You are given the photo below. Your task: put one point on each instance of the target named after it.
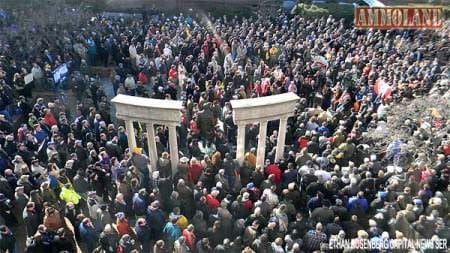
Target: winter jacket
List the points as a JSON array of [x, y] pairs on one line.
[[69, 195]]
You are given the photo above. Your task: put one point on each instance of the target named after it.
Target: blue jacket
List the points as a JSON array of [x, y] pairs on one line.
[[144, 236], [88, 235], [155, 219], [172, 231], [355, 200], [139, 205], [54, 183], [40, 135]]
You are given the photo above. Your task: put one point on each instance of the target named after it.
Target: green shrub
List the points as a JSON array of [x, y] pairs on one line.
[[319, 10]]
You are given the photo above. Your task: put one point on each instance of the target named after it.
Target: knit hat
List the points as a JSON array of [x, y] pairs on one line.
[[120, 215], [92, 194], [155, 204], [215, 193], [363, 234], [291, 186], [138, 151], [417, 201], [155, 174], [141, 222]]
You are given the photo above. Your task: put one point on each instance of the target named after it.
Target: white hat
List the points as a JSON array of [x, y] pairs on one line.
[[291, 186], [184, 159], [363, 234], [245, 196], [215, 193]]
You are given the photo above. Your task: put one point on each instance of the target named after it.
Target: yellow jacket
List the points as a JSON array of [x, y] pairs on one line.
[[69, 195], [251, 158], [182, 222]]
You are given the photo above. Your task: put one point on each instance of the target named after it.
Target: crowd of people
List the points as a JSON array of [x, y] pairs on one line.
[[68, 178]]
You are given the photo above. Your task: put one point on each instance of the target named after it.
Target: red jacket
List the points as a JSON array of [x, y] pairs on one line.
[[302, 142], [173, 74], [212, 201], [123, 227], [248, 204], [142, 78], [274, 170], [446, 150], [195, 170], [49, 119], [190, 238]]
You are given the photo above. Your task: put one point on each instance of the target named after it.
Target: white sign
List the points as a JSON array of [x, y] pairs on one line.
[[28, 78]]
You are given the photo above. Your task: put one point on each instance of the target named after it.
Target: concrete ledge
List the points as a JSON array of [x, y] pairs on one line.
[[147, 109], [269, 108]]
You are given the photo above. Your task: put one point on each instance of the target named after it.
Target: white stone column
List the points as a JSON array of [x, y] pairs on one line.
[[173, 147], [240, 144], [152, 151], [260, 157], [131, 136], [281, 138]]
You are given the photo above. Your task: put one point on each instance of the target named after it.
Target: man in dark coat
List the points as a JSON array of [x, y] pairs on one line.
[[206, 122], [31, 218], [113, 149], [140, 161], [99, 181], [82, 153], [156, 220], [7, 240], [143, 234]]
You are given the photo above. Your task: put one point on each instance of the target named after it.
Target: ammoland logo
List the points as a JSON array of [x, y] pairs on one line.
[[399, 17]]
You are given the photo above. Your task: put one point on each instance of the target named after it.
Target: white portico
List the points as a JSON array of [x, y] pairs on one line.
[[151, 112], [263, 109]]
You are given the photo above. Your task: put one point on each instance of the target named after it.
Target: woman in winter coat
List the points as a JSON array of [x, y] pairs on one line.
[[52, 219], [109, 240], [180, 246]]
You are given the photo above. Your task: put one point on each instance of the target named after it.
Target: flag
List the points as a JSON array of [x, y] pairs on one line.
[[320, 62], [383, 89]]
